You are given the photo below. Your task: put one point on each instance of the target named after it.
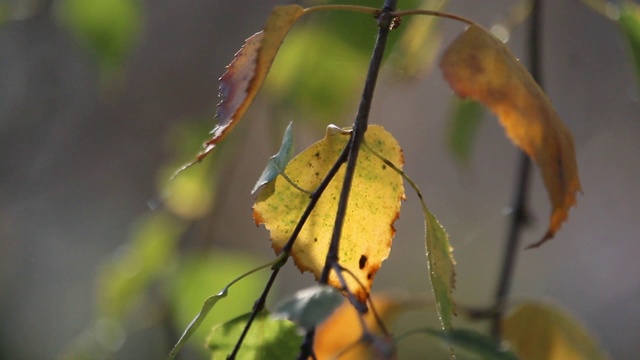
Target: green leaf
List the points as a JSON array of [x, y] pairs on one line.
[[203, 274], [310, 307], [108, 28], [629, 22], [277, 162], [540, 331], [268, 338], [477, 343], [439, 255], [123, 281], [465, 121]]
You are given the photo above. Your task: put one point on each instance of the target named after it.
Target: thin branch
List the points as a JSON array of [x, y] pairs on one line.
[[441, 14], [354, 8], [519, 215], [360, 127]]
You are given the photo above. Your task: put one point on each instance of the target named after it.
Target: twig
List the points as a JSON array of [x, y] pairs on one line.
[[519, 215], [360, 127]]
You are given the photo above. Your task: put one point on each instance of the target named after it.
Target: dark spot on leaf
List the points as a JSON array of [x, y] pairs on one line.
[[317, 173], [363, 262], [369, 276], [384, 167], [317, 154], [315, 239]]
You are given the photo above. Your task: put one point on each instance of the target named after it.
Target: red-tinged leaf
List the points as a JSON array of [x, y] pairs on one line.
[[246, 73], [479, 66]]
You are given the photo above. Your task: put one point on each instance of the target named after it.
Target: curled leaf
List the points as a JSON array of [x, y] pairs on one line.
[[277, 162], [479, 66], [374, 205], [246, 73]]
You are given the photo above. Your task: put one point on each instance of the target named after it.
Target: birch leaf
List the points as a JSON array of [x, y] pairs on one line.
[[374, 205], [246, 73], [479, 66]]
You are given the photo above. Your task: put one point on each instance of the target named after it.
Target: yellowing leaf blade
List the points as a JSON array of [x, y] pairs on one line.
[[479, 66], [374, 205], [538, 331], [246, 73]]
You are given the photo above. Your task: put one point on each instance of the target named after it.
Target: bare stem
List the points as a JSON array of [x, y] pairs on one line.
[[441, 14], [352, 8], [519, 216], [385, 19]]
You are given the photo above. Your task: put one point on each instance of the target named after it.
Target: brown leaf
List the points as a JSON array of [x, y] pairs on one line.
[[246, 73], [479, 66]]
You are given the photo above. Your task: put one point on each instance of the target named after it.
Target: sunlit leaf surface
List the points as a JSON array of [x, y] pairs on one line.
[[479, 66], [374, 205], [538, 331]]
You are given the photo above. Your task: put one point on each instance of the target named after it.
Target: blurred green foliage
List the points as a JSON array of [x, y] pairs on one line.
[[629, 22], [107, 28], [464, 122], [268, 338]]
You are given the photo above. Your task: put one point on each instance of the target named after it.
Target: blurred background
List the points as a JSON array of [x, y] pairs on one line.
[[101, 100]]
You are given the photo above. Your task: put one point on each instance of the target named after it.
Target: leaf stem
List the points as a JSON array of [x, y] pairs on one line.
[[519, 216], [441, 14], [353, 8]]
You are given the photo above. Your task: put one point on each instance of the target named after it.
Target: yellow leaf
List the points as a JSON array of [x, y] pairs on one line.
[[479, 66], [342, 330], [374, 205], [540, 332], [246, 73]]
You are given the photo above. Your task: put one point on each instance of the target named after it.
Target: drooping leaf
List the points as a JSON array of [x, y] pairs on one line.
[[539, 331], [342, 330], [246, 73], [108, 28], [374, 205], [629, 22], [479, 66], [310, 307], [277, 162], [268, 338], [440, 260], [465, 122], [200, 275], [479, 344]]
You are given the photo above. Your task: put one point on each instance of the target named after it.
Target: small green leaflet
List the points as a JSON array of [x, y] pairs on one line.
[[268, 338], [311, 306], [278, 162]]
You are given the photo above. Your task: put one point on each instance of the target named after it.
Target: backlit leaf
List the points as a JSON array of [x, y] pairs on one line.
[[310, 307], [541, 332], [342, 330], [629, 22], [246, 73], [277, 162], [479, 66], [268, 338], [374, 205]]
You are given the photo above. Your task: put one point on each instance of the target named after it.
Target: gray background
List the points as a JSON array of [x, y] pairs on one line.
[[77, 169]]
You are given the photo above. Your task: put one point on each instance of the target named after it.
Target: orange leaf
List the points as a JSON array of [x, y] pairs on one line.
[[246, 73], [479, 66], [342, 330]]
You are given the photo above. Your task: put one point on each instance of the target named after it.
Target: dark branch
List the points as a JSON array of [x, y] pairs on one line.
[[519, 216]]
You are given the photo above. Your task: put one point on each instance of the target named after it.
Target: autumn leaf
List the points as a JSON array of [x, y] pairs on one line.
[[537, 331], [341, 333], [246, 73], [374, 205], [479, 66]]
